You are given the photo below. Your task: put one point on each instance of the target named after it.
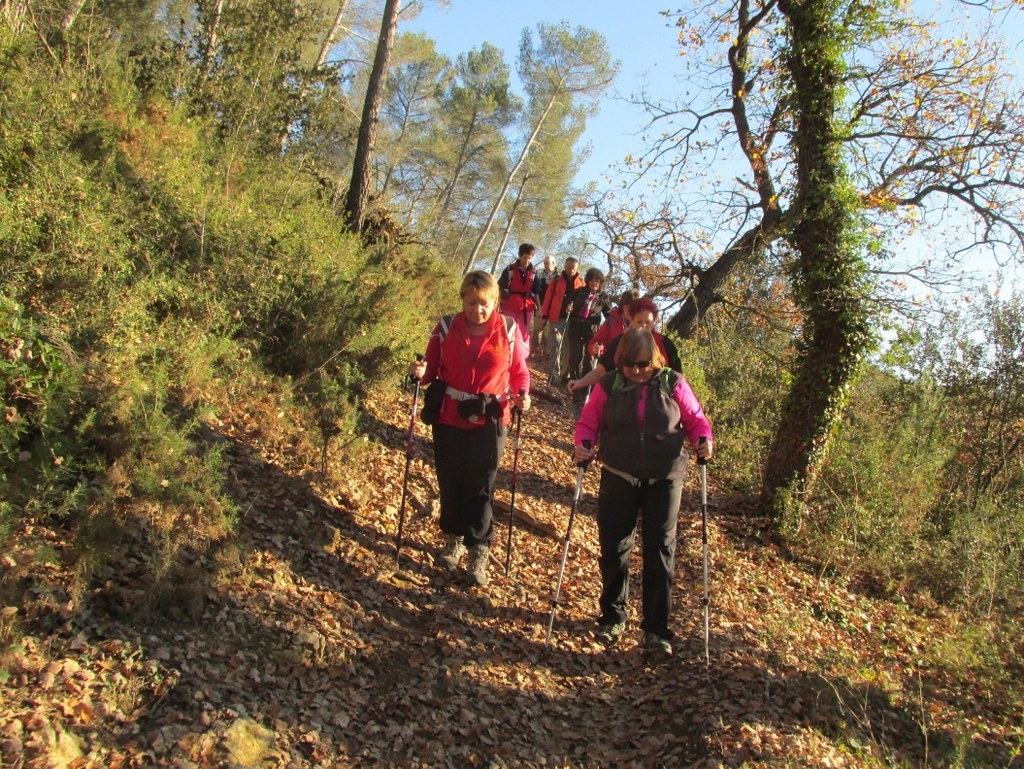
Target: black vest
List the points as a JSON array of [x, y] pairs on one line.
[[658, 450]]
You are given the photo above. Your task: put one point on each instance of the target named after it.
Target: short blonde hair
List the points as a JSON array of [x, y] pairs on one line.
[[481, 283], [638, 344]]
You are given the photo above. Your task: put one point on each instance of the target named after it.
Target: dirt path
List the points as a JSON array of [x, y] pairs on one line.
[[300, 645]]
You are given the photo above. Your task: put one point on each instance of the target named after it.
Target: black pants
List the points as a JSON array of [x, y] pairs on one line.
[[581, 363], [467, 462], [619, 506]]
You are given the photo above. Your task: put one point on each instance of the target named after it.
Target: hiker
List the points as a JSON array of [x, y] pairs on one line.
[[478, 360], [521, 291], [588, 309], [616, 325], [538, 345], [554, 311], [639, 416], [643, 313]]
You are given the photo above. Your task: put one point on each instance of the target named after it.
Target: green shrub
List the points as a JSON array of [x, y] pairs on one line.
[[884, 473], [151, 271], [741, 367]]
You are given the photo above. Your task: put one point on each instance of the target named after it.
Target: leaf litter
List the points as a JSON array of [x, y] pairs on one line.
[[308, 647]]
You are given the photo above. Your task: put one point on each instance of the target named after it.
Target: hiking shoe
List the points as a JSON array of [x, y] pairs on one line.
[[452, 553], [658, 643], [608, 635], [479, 560]]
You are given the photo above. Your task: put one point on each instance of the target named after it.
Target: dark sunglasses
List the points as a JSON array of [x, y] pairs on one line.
[[636, 364]]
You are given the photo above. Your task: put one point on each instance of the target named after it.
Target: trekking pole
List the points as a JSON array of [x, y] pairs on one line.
[[568, 535], [408, 461], [555, 376], [702, 463], [515, 475]]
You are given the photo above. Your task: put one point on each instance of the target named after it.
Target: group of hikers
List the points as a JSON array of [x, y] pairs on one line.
[[636, 416]]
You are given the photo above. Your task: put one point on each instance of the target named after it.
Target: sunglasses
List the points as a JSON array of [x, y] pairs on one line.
[[636, 364]]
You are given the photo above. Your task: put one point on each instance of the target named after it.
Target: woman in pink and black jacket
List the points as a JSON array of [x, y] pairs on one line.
[[640, 418]]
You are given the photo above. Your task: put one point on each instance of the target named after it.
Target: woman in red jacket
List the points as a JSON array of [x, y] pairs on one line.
[[481, 359], [521, 291], [616, 325]]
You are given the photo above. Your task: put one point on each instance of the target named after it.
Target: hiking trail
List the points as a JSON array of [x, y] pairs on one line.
[[299, 644]]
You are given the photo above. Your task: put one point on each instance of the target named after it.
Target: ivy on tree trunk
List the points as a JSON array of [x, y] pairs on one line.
[[829, 272]]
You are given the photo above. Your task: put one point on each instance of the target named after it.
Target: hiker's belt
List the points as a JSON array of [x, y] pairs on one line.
[[632, 479], [459, 395]]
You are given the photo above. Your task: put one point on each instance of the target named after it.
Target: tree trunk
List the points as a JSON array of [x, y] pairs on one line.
[[211, 40], [72, 15], [508, 227], [508, 183], [705, 293], [331, 37], [829, 275], [362, 166]]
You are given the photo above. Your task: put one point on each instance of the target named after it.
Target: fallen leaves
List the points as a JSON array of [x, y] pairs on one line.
[[312, 649]]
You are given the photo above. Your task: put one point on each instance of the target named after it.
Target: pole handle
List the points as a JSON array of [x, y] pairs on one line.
[[419, 359], [702, 460], [586, 462], [516, 408]]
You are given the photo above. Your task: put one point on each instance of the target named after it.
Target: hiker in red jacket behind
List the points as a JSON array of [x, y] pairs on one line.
[[643, 313], [640, 416], [589, 307], [555, 310], [616, 325], [521, 291], [479, 361]]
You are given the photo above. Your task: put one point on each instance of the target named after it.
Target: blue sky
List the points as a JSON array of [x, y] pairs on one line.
[[637, 35]]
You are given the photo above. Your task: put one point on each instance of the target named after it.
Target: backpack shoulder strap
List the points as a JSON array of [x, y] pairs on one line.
[[510, 335], [446, 325], [667, 380]]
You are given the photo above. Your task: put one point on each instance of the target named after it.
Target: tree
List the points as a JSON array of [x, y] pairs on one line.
[[362, 165], [567, 69], [322, 58], [829, 270], [466, 155], [415, 81], [932, 141], [922, 125]]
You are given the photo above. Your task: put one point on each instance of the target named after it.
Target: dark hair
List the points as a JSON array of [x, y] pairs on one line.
[[629, 296], [638, 344], [593, 273], [526, 248], [643, 305]]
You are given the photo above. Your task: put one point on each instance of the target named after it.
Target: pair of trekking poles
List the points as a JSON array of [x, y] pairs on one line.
[[408, 461], [702, 463], [577, 494]]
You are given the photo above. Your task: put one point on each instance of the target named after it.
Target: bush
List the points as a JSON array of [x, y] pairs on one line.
[[884, 473], [149, 271]]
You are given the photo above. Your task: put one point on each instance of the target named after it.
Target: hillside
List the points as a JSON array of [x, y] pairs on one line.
[[298, 644]]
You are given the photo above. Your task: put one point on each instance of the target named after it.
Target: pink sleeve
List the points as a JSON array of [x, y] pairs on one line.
[[588, 428], [694, 422], [519, 374]]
